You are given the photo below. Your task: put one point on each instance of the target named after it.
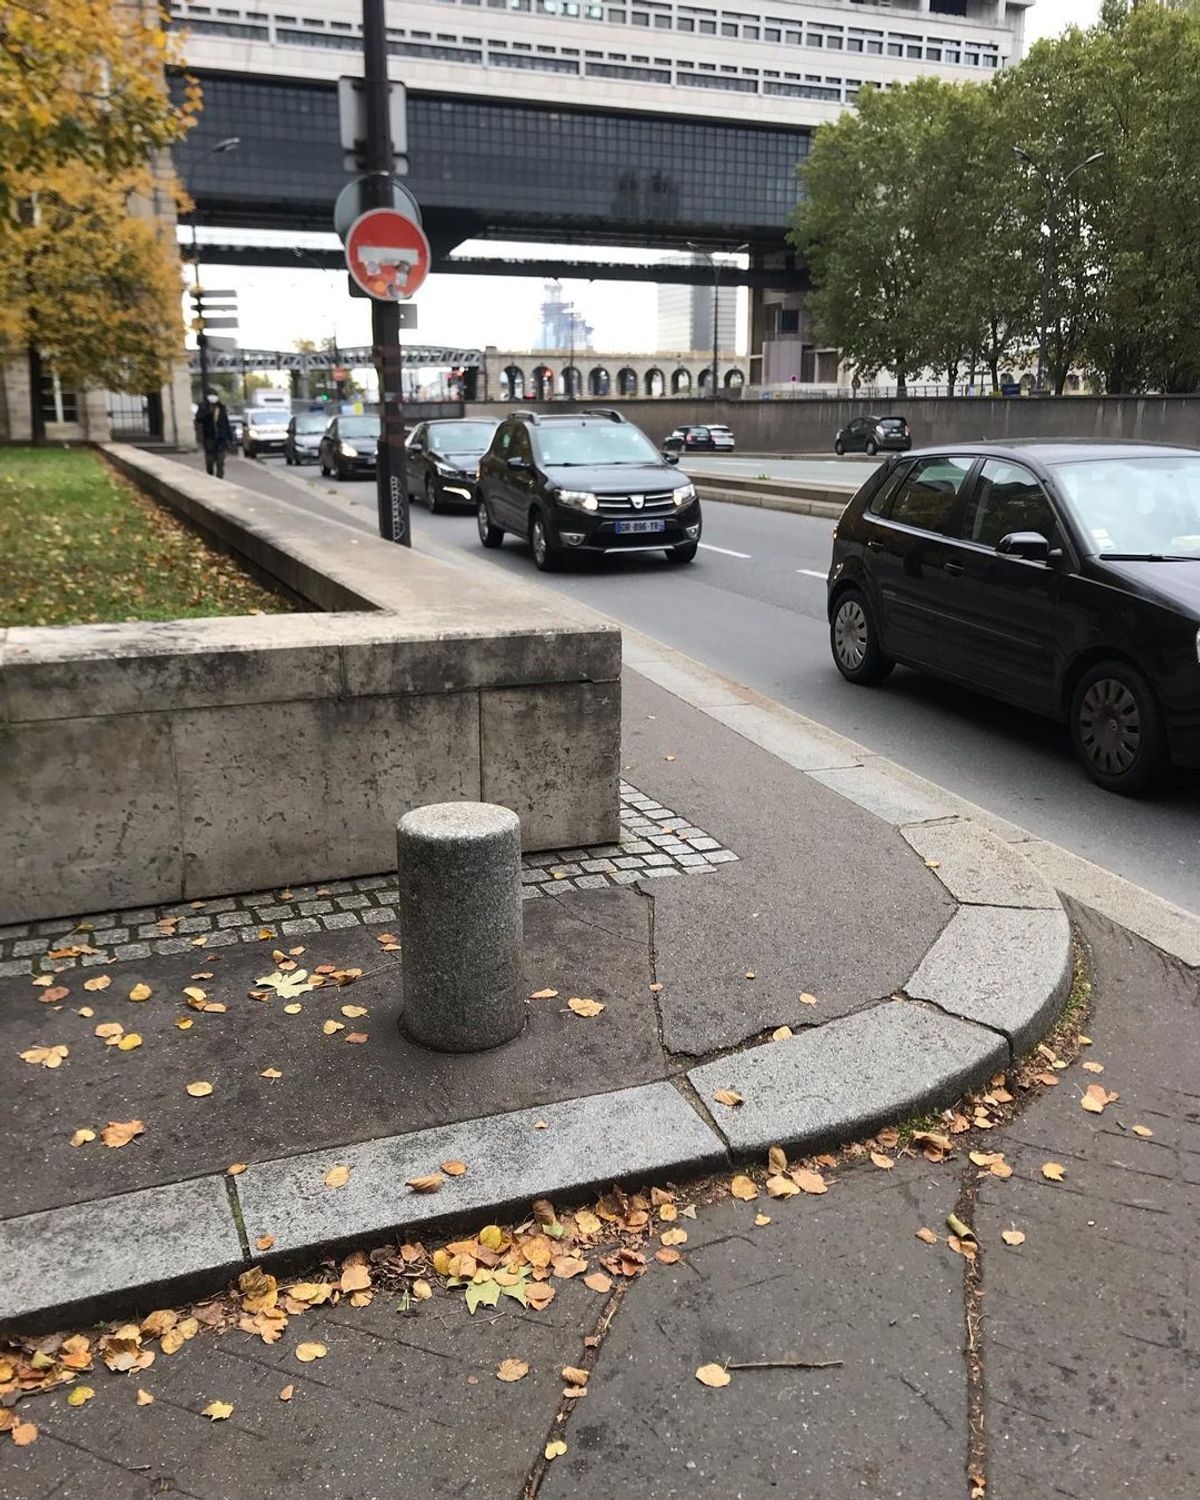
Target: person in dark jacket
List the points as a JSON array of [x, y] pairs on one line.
[[215, 433]]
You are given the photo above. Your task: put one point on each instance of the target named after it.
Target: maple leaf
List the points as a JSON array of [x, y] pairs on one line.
[[288, 986], [483, 1294]]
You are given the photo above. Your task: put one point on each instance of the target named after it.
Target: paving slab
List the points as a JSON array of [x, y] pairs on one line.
[[892, 799], [636, 1134], [1004, 968], [843, 1080], [977, 866], [1089, 1329], [840, 1277], [813, 873]]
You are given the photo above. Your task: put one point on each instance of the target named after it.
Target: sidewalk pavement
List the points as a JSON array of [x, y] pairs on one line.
[[1060, 1365]]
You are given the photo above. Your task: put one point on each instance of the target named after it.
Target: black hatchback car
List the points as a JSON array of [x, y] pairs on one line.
[[304, 433], [1063, 577], [873, 435], [589, 482], [442, 459], [350, 446]]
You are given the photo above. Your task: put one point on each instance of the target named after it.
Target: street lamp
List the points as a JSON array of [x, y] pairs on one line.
[[230, 143], [716, 270], [1054, 187]]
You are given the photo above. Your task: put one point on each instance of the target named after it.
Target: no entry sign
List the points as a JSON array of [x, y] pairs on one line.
[[387, 254]]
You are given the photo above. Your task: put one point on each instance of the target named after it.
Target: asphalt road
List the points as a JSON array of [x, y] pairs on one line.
[[752, 606]]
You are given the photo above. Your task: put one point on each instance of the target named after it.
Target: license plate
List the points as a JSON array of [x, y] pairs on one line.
[[625, 528]]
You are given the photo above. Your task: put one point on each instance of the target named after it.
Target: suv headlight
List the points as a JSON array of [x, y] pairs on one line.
[[577, 499], [685, 494], [347, 451]]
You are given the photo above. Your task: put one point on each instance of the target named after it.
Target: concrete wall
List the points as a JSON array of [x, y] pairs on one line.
[[809, 426], [148, 763]]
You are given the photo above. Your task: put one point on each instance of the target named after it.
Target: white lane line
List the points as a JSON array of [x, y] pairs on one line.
[[812, 573], [728, 552]]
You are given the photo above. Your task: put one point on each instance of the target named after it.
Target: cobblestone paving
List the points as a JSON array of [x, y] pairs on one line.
[[654, 842]]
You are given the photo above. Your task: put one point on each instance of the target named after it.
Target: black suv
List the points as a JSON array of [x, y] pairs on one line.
[[872, 435], [589, 482]]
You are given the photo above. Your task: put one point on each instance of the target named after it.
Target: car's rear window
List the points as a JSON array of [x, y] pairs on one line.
[[893, 424], [269, 417]]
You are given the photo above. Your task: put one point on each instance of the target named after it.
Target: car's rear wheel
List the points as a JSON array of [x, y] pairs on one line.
[[854, 638], [839, 448], [1117, 728], [683, 554], [431, 495], [489, 535], [872, 447], [546, 553]]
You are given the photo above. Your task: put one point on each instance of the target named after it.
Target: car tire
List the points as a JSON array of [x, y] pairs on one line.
[[431, 495], [339, 473], [1117, 728], [839, 448], [547, 557], [324, 468], [854, 640], [489, 535], [872, 447], [683, 554]]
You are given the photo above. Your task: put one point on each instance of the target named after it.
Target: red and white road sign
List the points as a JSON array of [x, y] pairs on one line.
[[388, 254]]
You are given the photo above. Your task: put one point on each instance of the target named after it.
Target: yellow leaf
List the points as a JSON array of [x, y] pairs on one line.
[[287, 1393], [598, 1282], [200, 1089], [1142, 1130], [750, 974], [119, 1133], [573, 1375], [293, 1009], [1096, 1098], [780, 1186], [454, 1168], [337, 1176], [80, 1395], [1092, 1067], [218, 1411], [760, 1220], [86, 1010], [555, 1448], [23, 1434], [807, 999], [781, 1033], [585, 1008], [422, 1291], [776, 1159], [512, 1369], [140, 992], [1053, 1170], [109, 1029], [729, 1097], [713, 1375], [674, 1236], [491, 1236], [743, 1188], [928, 1236], [306, 1353], [82, 1136], [586, 1222], [1012, 1236], [264, 1242], [352, 1012], [144, 1398], [885, 1163], [185, 1023], [355, 1278], [98, 982], [270, 1073], [544, 995], [235, 1169], [431, 1183], [809, 1181], [1001, 1169], [129, 1041], [194, 992], [330, 1027]]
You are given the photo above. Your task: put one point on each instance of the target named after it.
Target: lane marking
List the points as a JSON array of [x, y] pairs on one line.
[[728, 552], [812, 573]]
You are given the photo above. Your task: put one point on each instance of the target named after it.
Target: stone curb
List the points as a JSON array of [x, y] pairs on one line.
[[819, 505]]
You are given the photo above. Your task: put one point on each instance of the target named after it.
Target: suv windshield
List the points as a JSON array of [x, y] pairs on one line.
[[461, 437], [1136, 507], [571, 444], [269, 417], [358, 427]]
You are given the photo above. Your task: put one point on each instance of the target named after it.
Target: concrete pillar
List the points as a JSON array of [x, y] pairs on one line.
[[461, 925]]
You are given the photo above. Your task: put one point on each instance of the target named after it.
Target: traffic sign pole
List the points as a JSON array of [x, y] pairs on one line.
[[385, 316]]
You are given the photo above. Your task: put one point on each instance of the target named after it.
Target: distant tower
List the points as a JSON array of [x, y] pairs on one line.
[[685, 315], [562, 326]]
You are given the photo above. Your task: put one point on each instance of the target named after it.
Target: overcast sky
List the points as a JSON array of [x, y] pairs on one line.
[[279, 307]]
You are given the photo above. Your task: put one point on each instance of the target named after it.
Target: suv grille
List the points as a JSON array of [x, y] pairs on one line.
[[656, 503]]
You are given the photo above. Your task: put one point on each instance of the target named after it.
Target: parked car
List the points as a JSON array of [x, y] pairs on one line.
[[588, 482], [723, 436], [1062, 577], [442, 461], [238, 427], [699, 440], [264, 430], [303, 438], [874, 435], [350, 446]]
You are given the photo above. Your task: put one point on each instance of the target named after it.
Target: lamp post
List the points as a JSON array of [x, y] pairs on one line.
[[1054, 186], [716, 308], [230, 143]]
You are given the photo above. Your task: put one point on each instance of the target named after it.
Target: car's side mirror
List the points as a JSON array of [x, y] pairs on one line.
[[516, 462], [1032, 546], [671, 458]]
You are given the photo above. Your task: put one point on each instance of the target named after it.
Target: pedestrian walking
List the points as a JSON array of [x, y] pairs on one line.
[[214, 432]]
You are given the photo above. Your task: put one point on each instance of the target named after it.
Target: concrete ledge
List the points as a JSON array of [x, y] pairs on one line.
[[849, 1077], [823, 502]]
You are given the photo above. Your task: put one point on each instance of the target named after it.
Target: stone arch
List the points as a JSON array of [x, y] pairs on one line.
[[681, 383], [627, 381], [654, 382], [734, 380], [571, 383], [543, 383], [599, 381], [512, 383], [704, 384]]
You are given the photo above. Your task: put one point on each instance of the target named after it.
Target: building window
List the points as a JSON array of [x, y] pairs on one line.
[[58, 405]]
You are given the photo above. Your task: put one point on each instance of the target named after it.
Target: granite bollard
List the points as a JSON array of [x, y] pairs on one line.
[[461, 925]]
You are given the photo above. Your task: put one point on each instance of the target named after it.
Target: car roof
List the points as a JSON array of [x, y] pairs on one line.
[[1045, 451]]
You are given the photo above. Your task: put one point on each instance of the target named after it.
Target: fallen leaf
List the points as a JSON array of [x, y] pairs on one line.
[[80, 1395], [235, 1169], [598, 1282], [585, 1008], [961, 1229], [185, 1023], [306, 1353], [355, 1278], [352, 1012], [120, 1133], [668, 757], [337, 1176], [1053, 1170], [86, 1010], [807, 999], [331, 1027], [540, 1125], [667, 1257], [200, 1089], [83, 1135], [421, 1290], [567, 1266], [355, 1038], [544, 995], [23, 1434], [53, 996], [218, 1411], [264, 933], [986, 1158], [1096, 1098], [657, 987], [98, 982], [1001, 1169], [287, 1393], [454, 1168], [933, 864], [512, 1369], [540, 1295], [743, 1188], [713, 1375], [761, 1219], [1142, 1130], [144, 1398], [1092, 1067], [432, 1183], [780, 1186], [129, 1041], [46, 1057], [43, 979], [885, 1163], [555, 1448], [809, 1181], [1012, 1236], [288, 986], [293, 1009], [1048, 1079], [781, 1033], [729, 1097], [674, 1236], [928, 1236], [140, 992]]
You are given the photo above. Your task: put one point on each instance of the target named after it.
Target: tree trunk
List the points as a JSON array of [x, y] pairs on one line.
[[37, 419], [901, 383], [994, 367]]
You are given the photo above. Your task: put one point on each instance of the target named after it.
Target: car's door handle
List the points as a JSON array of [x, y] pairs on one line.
[[873, 545], [953, 568]]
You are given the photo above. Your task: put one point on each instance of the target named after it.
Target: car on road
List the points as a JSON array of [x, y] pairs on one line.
[[303, 438], [442, 461], [699, 440], [873, 435], [585, 483], [1062, 577], [264, 430], [350, 446]]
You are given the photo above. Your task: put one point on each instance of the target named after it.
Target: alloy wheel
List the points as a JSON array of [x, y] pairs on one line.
[[482, 520], [850, 634], [1110, 726], [537, 537]]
